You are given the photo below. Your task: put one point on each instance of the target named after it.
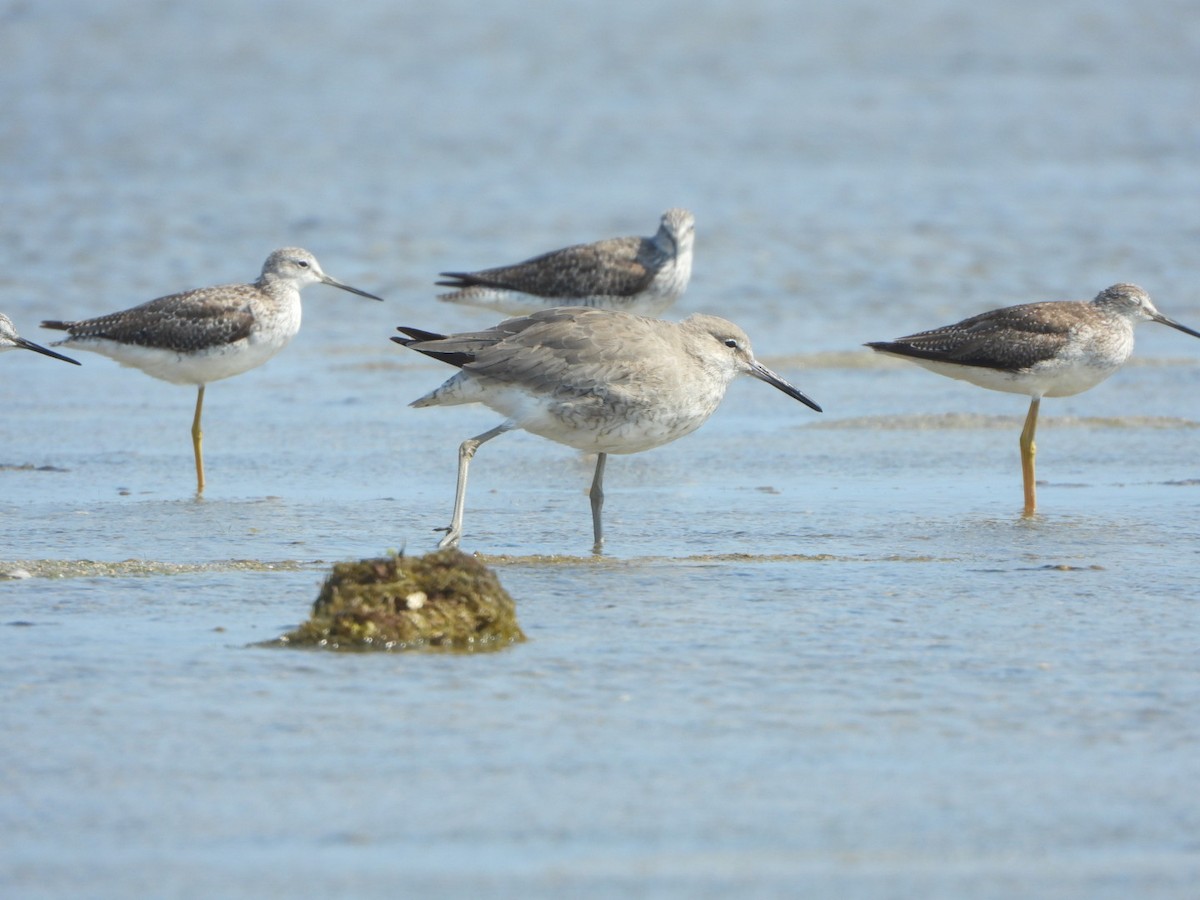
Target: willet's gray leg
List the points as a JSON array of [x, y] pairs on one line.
[[596, 495], [465, 451]]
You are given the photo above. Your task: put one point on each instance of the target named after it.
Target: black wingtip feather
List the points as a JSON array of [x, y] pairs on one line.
[[417, 334]]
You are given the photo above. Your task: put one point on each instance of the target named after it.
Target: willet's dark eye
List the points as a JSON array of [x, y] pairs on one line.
[[731, 343], [302, 263]]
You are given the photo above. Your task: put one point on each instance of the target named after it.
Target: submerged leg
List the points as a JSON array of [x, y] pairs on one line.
[[465, 451], [596, 495], [198, 440], [1028, 452]]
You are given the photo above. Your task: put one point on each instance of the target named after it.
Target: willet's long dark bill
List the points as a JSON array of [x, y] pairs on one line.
[[634, 274], [10, 340], [598, 380], [207, 334], [1053, 349]]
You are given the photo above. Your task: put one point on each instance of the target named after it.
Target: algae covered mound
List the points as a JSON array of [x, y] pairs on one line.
[[444, 600]]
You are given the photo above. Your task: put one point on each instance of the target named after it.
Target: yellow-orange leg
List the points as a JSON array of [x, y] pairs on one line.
[[198, 440], [1028, 452]]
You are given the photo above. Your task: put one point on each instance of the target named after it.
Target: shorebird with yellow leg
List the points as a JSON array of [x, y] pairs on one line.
[[207, 334], [1052, 349]]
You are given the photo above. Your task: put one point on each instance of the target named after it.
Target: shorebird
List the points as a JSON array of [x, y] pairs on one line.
[[10, 340], [1052, 349], [599, 380], [204, 335], [634, 274]]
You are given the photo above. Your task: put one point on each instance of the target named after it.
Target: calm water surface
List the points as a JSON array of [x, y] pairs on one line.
[[822, 656]]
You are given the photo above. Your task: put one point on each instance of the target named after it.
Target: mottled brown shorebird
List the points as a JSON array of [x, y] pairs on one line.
[[207, 334], [599, 380], [1052, 349], [10, 340], [635, 274]]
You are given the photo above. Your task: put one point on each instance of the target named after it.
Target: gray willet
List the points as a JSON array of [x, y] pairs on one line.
[[207, 334], [10, 340], [634, 274], [1052, 349], [599, 380]]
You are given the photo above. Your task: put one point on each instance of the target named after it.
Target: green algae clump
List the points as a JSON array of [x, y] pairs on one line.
[[444, 601]]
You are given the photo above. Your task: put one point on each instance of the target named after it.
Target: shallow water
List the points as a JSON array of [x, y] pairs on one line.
[[822, 655]]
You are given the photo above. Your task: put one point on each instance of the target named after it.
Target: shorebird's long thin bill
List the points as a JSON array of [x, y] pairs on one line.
[[761, 372], [38, 348], [1165, 321], [333, 282]]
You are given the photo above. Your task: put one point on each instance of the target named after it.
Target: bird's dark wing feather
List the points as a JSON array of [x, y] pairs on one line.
[[1013, 338], [187, 322], [617, 267]]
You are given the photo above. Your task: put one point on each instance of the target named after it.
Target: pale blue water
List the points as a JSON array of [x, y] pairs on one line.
[[823, 655]]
